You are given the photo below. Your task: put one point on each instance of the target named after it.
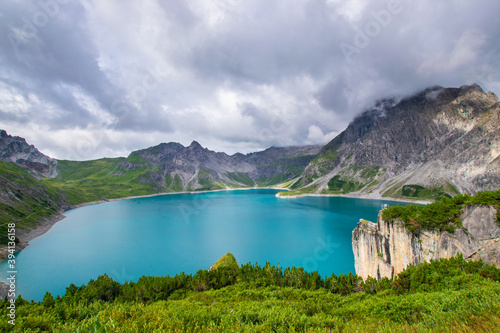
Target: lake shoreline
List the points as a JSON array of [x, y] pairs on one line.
[[44, 226], [25, 236], [370, 197], [170, 193], [110, 238]]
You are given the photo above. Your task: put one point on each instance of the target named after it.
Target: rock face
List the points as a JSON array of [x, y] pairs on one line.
[[384, 249], [440, 140], [17, 150], [178, 168]]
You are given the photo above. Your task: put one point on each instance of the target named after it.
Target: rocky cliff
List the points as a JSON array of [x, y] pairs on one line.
[[385, 248], [441, 141], [17, 150]]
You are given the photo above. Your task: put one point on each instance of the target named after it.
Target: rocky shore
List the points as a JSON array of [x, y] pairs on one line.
[[369, 197], [26, 235]]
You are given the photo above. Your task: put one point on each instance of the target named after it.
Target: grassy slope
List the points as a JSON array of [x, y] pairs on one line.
[[353, 178], [289, 168], [441, 296], [226, 260], [97, 179], [25, 201]]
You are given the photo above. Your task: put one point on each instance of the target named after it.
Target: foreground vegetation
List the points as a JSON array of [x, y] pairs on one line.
[[443, 214], [441, 296]]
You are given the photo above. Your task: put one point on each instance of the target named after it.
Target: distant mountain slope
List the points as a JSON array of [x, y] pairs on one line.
[[173, 167], [279, 165], [441, 141], [167, 167], [15, 149], [96, 180], [34, 187]]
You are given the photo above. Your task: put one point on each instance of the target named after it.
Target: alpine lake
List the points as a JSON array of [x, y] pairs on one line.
[[170, 234]]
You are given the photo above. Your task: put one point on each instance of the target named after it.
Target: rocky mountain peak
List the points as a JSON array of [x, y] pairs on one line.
[[176, 167], [16, 149], [440, 140], [472, 88], [195, 145]]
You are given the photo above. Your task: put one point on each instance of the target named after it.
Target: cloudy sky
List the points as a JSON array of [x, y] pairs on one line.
[[86, 79]]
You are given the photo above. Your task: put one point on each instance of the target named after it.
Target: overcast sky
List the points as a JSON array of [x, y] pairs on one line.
[[86, 79]]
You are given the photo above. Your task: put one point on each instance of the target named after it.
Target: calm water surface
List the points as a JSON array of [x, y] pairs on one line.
[[186, 232]]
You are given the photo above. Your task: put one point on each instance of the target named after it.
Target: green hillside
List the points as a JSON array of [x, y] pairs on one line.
[[451, 295], [86, 181], [27, 200], [24, 200]]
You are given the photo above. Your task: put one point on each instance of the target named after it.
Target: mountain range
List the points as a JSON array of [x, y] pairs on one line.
[[438, 142], [441, 141]]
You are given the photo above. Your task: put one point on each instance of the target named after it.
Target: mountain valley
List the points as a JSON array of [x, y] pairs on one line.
[[439, 142]]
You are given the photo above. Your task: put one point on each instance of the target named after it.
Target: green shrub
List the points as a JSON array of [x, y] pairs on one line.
[[443, 214], [449, 293]]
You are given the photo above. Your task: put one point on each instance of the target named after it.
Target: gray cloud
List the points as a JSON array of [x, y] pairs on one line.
[[86, 79]]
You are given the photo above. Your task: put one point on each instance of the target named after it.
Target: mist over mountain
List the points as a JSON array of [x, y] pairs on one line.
[[441, 141]]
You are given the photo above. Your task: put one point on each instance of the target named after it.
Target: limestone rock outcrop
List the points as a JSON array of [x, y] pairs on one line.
[[386, 248]]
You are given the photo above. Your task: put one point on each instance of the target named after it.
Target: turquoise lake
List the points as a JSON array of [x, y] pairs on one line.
[[169, 234]]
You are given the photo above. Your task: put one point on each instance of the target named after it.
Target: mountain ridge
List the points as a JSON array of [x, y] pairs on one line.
[[441, 142], [17, 150], [438, 142], [399, 148]]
